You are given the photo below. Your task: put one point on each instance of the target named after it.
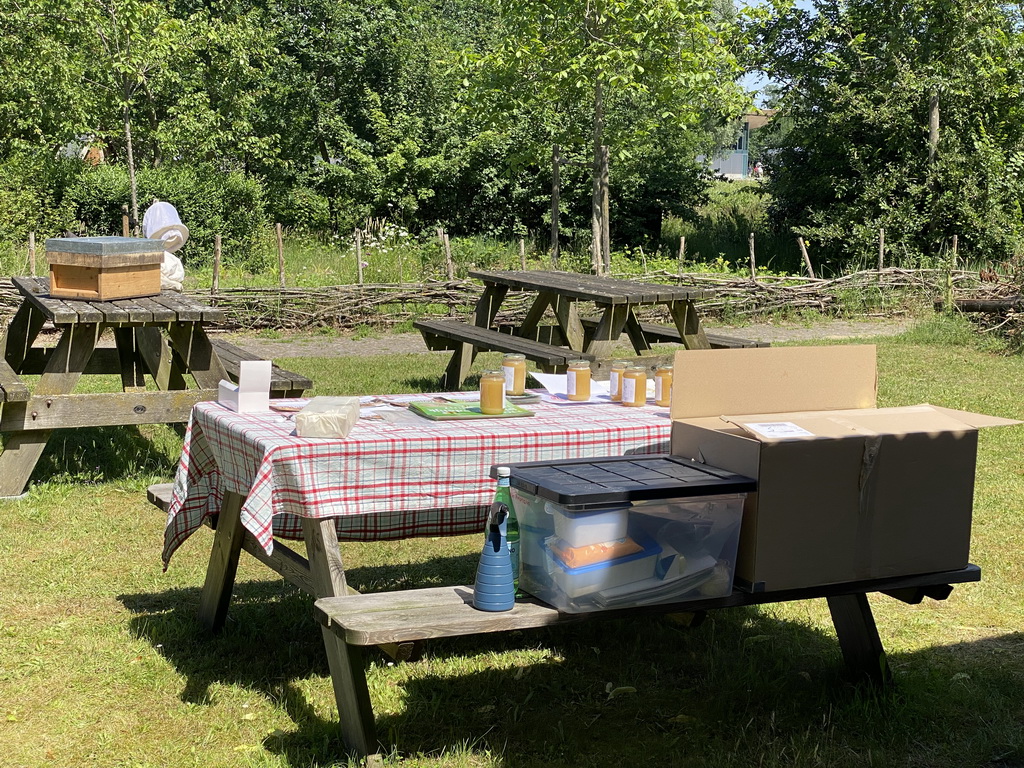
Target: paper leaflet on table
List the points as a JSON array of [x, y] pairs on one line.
[[556, 385]]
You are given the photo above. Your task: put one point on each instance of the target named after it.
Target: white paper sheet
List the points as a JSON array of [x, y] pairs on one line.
[[557, 389]]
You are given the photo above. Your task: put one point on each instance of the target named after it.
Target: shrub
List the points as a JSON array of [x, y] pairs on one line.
[[209, 202]]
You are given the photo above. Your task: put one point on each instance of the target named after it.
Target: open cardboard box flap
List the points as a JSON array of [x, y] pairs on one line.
[[772, 380], [860, 422], [819, 386]]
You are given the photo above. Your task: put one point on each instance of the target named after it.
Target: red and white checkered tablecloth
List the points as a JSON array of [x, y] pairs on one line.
[[386, 480]]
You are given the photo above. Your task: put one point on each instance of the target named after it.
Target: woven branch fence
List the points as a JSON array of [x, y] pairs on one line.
[[388, 305]]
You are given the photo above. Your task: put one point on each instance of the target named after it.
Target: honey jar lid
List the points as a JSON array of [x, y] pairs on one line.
[[514, 356]]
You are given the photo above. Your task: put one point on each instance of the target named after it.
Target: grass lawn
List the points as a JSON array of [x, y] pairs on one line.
[[102, 661]]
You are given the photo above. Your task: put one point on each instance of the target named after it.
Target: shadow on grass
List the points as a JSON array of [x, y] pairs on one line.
[[743, 688], [101, 454]]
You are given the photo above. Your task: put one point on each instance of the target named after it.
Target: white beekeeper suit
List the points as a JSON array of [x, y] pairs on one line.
[[161, 222]]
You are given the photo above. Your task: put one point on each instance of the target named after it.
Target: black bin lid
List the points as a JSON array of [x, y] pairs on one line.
[[623, 478]]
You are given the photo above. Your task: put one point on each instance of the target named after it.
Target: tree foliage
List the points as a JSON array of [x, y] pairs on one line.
[[852, 152]]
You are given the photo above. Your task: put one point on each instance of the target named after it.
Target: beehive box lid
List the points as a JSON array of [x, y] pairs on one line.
[[624, 478], [104, 246], [103, 252]]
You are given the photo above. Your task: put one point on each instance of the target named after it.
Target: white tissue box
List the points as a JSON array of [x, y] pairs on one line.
[[327, 417]]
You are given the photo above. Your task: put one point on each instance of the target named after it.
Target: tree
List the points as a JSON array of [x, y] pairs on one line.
[[859, 145], [561, 60]]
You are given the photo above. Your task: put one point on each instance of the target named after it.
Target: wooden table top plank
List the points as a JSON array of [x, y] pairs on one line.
[[37, 291], [604, 290], [111, 312], [191, 304], [159, 312], [137, 313], [183, 312]]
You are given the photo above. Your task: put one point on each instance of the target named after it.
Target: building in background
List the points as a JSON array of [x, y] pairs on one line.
[[735, 162]]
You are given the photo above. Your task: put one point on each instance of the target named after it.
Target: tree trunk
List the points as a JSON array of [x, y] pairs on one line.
[[556, 191], [596, 227], [133, 187], [933, 127]]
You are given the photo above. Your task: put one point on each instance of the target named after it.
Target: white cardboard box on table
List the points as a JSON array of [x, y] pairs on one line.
[[252, 393]]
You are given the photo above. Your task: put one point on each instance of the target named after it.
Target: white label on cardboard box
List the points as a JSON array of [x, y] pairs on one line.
[[778, 429]]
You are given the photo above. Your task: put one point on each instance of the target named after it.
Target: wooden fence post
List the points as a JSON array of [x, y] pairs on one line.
[[643, 260], [881, 249], [682, 254], [280, 254], [32, 253], [359, 254], [449, 261], [216, 264], [807, 259], [522, 254], [753, 263], [449, 267]]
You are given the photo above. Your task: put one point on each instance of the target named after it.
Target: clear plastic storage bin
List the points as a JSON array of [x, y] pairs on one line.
[[645, 530]]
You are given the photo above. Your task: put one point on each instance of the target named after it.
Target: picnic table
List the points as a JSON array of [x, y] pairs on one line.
[[412, 477], [575, 334], [161, 336]]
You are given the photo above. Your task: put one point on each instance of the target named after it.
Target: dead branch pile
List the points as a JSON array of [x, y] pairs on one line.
[[388, 305]]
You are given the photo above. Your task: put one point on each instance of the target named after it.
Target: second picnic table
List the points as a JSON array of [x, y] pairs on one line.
[[161, 336], [576, 336]]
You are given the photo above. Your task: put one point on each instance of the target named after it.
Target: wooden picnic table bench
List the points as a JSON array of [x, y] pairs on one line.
[[163, 337], [450, 334], [561, 293], [419, 614]]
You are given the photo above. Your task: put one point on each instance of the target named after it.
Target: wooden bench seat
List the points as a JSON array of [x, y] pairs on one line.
[[445, 334], [105, 360], [466, 340], [657, 332], [282, 383], [420, 614]]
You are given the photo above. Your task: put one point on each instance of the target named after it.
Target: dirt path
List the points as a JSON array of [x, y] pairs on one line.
[[320, 345]]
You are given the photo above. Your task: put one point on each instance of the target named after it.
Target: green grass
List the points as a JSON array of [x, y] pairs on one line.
[[102, 661]]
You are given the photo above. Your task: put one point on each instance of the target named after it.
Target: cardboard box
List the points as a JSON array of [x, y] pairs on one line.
[[846, 491], [104, 268]]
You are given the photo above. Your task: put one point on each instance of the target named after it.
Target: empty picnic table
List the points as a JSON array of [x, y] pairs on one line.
[[576, 336], [161, 336]]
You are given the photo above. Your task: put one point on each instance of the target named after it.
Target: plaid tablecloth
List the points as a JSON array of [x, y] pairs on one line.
[[385, 480]]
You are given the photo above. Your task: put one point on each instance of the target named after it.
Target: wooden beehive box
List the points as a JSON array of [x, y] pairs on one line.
[[104, 268]]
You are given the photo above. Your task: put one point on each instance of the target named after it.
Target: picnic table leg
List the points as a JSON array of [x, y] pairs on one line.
[[348, 676], [858, 636], [133, 372], [636, 333], [687, 320], [22, 450], [464, 353], [220, 573], [159, 358], [201, 359], [568, 316], [608, 330]]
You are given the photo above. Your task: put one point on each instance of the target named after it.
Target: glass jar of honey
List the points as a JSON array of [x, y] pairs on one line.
[[615, 380], [663, 385], [577, 380], [514, 368], [492, 392], [634, 386]]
